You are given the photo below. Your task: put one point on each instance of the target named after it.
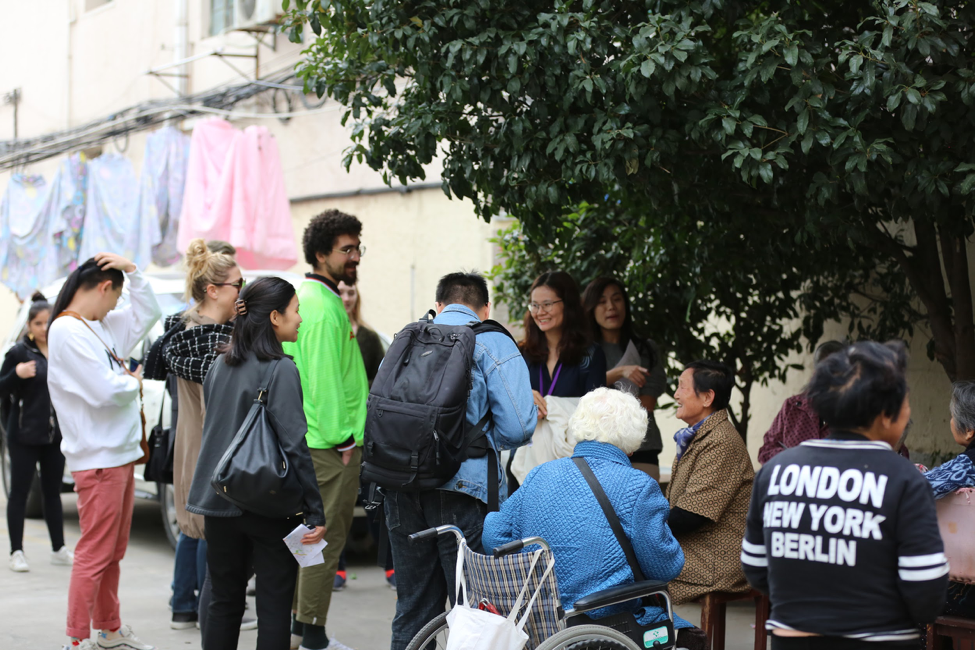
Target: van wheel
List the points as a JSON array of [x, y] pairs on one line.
[[167, 509]]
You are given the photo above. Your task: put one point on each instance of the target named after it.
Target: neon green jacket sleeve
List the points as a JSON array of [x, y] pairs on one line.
[[333, 377]]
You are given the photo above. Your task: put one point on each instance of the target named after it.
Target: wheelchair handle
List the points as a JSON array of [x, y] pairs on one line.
[[510, 547], [431, 533], [518, 544]]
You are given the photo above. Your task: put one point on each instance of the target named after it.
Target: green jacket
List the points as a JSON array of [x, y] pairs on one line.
[[333, 377]]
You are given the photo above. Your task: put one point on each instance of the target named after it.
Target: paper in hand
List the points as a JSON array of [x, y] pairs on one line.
[[306, 554]]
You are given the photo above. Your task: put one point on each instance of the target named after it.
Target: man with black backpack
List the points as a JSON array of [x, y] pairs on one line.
[[450, 395]]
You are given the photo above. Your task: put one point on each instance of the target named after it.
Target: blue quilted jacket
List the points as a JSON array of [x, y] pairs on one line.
[[555, 503]]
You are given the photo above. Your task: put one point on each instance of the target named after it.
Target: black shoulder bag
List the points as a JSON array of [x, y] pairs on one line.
[[254, 474], [159, 467]]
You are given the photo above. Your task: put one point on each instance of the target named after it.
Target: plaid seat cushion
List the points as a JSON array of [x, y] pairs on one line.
[[500, 580]]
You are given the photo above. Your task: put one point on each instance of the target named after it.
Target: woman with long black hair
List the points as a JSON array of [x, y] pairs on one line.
[[634, 364], [32, 438], [267, 315]]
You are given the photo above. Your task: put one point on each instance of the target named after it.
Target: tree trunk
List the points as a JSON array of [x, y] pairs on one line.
[[923, 266], [954, 250]]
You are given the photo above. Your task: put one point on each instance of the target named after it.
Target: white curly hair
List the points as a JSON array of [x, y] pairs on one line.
[[612, 416]]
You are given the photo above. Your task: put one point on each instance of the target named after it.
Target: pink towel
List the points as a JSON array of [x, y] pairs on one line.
[[235, 192]]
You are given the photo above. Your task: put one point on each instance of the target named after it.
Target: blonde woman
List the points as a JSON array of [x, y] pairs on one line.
[[213, 282]]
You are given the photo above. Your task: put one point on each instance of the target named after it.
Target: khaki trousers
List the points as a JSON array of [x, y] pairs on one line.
[[339, 485]]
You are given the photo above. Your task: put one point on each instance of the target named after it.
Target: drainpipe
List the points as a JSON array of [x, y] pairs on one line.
[[181, 45], [69, 66]]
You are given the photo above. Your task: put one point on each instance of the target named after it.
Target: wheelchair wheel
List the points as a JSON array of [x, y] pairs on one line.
[[433, 635], [589, 637]]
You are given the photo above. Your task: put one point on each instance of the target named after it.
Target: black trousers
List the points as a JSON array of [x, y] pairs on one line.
[[23, 460], [232, 544]]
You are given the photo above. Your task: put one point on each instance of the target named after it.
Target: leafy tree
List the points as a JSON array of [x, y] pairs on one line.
[[841, 132], [743, 297]]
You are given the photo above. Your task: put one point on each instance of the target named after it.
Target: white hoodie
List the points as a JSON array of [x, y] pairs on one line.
[[96, 402]]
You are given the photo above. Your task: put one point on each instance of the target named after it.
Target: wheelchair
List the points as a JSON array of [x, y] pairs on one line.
[[498, 579]]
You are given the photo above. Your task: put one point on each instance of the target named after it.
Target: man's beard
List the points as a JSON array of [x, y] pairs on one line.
[[344, 273]]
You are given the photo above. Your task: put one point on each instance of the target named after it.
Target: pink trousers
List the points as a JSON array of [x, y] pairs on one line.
[[105, 501]]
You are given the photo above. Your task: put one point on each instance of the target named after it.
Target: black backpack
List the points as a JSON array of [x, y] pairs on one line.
[[416, 434]]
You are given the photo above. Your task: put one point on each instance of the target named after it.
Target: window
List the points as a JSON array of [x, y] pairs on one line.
[[221, 16]]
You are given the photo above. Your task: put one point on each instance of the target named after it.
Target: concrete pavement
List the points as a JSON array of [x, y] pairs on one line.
[[33, 605]]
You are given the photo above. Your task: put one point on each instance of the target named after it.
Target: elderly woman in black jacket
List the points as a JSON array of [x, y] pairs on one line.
[[32, 436], [267, 315]]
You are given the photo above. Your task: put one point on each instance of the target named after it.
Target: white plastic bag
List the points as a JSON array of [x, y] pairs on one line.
[[475, 629]]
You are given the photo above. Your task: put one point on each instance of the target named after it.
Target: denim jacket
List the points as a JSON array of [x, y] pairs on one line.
[[501, 385]]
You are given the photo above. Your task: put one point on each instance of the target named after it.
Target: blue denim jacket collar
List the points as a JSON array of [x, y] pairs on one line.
[[500, 377]]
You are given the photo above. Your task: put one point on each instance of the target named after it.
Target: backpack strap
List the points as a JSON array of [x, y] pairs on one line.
[[475, 435], [614, 521], [480, 327]]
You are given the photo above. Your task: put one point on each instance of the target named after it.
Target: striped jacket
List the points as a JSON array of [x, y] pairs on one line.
[[843, 536]]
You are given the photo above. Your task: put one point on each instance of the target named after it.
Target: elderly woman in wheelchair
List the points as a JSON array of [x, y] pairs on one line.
[[606, 524]]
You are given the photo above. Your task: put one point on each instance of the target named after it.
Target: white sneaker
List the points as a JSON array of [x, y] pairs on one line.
[[248, 624], [127, 640], [18, 562], [335, 644], [86, 644], [62, 557]]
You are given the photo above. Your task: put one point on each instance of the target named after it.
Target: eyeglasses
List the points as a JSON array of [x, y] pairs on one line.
[[358, 250], [239, 284], [546, 306]]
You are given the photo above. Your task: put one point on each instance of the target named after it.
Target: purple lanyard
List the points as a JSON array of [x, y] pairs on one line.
[[541, 381]]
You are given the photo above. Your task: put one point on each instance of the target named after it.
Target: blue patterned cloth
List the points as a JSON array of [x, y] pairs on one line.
[[684, 436], [556, 504], [955, 474]]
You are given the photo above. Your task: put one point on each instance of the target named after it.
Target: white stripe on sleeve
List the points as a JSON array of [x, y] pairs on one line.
[[754, 549], [751, 560], [921, 560], [920, 575]]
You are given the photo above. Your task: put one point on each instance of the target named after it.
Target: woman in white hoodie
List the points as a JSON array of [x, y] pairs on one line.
[[96, 397]]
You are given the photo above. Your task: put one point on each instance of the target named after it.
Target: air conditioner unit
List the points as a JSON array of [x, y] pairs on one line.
[[250, 14]]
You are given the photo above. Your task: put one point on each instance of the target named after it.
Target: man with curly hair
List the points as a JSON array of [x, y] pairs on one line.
[[334, 386]]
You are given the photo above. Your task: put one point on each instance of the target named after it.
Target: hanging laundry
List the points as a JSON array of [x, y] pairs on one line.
[[40, 227], [235, 192], [27, 257], [161, 188], [67, 206], [113, 221]]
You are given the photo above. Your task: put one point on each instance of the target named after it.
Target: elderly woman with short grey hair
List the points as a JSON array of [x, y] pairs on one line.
[[959, 472], [556, 503]]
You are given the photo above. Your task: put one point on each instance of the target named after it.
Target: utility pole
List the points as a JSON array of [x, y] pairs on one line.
[[13, 98]]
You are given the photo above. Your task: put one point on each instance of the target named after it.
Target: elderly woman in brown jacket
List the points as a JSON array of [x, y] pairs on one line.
[[710, 486]]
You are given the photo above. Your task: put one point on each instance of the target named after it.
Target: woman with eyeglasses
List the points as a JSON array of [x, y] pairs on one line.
[[213, 283], [558, 346]]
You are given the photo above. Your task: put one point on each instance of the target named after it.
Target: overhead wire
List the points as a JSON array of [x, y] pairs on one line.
[[149, 114]]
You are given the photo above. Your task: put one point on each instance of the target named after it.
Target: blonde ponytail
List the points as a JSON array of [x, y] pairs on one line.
[[204, 268]]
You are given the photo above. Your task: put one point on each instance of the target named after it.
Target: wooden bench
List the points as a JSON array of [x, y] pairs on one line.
[[961, 631], [713, 613]]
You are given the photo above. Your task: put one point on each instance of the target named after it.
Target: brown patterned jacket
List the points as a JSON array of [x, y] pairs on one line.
[[712, 479]]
